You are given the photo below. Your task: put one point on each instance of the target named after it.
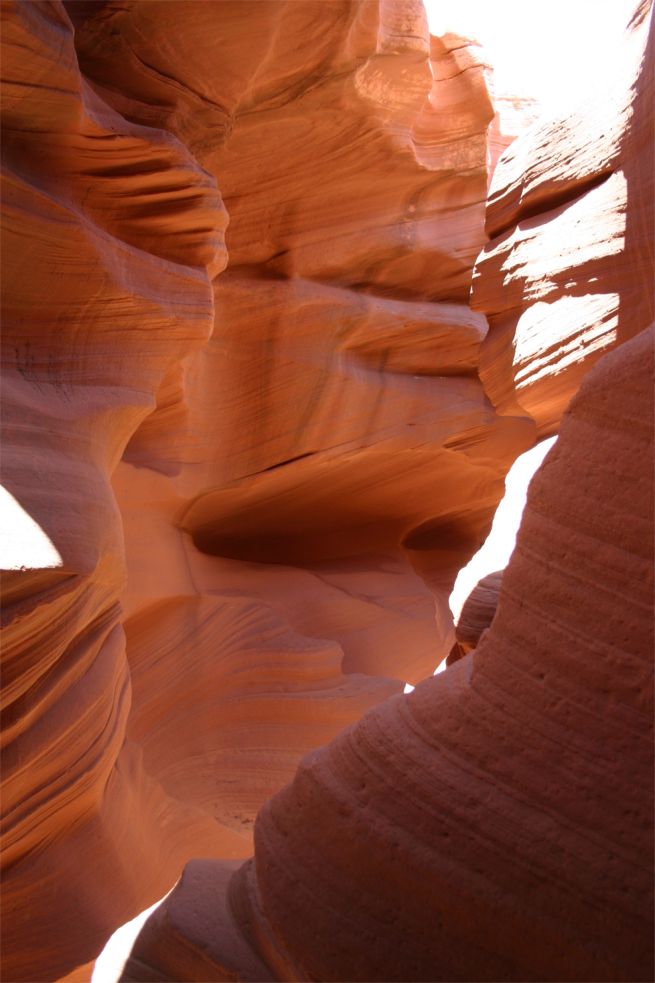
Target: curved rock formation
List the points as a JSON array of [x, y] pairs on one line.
[[497, 822], [506, 806], [340, 383], [257, 479], [98, 303], [237, 487]]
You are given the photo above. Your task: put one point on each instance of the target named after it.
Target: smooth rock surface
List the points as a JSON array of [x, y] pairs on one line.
[[98, 302], [243, 465], [497, 822], [235, 499]]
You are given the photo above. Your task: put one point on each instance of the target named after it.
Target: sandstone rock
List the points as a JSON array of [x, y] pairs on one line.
[[496, 823], [97, 305], [339, 385], [568, 272], [256, 478], [476, 615], [236, 498]]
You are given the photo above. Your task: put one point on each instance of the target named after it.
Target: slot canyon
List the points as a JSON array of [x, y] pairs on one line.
[[288, 287]]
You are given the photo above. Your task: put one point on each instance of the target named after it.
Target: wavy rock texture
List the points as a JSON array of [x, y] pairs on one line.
[[497, 822], [568, 272], [99, 302], [506, 806], [476, 615], [261, 480]]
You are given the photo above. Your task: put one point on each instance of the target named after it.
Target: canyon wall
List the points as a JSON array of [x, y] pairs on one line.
[[568, 273], [229, 496], [247, 446], [496, 823]]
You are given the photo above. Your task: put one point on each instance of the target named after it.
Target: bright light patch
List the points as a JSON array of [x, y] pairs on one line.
[[25, 546], [551, 52], [499, 545], [552, 336], [111, 961]]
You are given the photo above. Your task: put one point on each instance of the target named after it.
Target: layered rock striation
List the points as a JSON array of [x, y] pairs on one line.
[[567, 274], [497, 822], [476, 615], [230, 495], [243, 464], [102, 294]]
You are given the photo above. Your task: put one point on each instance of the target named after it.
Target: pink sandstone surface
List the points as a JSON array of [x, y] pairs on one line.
[[243, 463]]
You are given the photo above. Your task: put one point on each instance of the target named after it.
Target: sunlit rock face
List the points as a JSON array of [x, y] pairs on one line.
[[234, 498], [567, 274], [514, 115]]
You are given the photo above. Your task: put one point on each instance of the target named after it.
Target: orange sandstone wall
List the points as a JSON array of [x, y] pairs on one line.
[[243, 462], [229, 493], [497, 822]]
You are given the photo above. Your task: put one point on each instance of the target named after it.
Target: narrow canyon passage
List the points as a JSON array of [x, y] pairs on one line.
[[285, 295]]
